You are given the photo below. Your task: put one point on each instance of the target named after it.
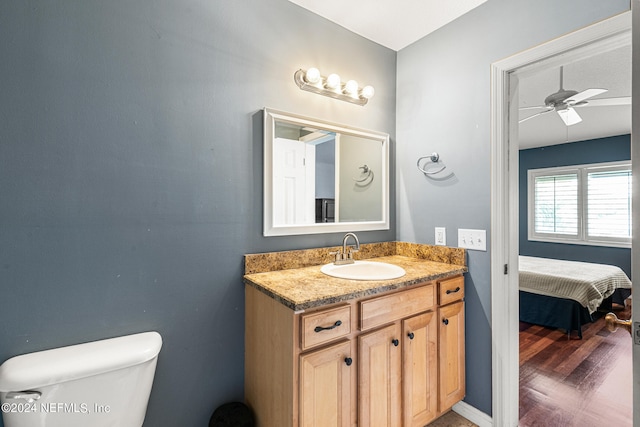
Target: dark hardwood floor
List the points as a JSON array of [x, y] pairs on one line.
[[571, 382]]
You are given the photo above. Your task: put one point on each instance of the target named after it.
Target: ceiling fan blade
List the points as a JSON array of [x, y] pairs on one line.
[[535, 115], [535, 107], [569, 116], [581, 96], [606, 102]]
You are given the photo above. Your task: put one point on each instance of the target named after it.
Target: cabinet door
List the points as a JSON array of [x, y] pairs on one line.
[[452, 378], [420, 369], [379, 368], [325, 387]]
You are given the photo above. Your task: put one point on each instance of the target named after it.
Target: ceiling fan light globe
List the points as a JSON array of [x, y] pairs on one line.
[[569, 116]]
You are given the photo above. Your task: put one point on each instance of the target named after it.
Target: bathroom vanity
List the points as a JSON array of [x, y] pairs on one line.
[[325, 351]]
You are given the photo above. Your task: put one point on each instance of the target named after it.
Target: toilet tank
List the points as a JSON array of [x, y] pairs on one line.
[[99, 384]]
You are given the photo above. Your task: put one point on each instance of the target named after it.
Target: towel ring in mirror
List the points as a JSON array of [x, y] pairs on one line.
[[365, 178]]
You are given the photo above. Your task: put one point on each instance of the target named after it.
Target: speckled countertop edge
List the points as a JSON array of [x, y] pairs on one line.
[[300, 287]]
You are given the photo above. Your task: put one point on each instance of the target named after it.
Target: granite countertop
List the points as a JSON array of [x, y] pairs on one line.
[[307, 287]]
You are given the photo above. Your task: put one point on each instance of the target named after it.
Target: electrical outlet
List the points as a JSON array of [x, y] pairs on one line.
[[441, 236], [472, 239]]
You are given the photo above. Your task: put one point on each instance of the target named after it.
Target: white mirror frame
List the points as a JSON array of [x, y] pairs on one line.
[[269, 229]]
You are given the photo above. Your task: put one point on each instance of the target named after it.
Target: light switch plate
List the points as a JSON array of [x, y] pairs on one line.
[[472, 239], [441, 236]]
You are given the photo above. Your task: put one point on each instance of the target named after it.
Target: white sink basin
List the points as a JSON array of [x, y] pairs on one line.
[[364, 270]]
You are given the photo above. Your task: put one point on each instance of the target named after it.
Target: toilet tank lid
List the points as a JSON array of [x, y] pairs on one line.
[[43, 368]]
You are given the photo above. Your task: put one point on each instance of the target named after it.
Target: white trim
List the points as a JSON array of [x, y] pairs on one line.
[[532, 174], [635, 171], [615, 31], [504, 360], [472, 414]]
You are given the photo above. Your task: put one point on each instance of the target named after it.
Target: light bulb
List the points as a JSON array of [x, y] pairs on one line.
[[368, 92], [333, 81], [351, 87], [312, 76]]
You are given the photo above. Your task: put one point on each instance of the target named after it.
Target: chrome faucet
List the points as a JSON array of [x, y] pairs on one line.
[[346, 256]]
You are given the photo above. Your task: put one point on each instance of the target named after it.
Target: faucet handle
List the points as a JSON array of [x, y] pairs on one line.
[[350, 252], [338, 255]]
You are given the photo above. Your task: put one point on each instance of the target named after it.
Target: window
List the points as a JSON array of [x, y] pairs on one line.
[[587, 204]]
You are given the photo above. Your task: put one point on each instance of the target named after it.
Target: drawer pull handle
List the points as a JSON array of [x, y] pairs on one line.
[[450, 291], [395, 342], [348, 361], [410, 335], [328, 328], [445, 321]]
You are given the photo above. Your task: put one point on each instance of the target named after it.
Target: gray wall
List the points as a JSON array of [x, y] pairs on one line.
[[443, 105], [130, 165], [131, 172]]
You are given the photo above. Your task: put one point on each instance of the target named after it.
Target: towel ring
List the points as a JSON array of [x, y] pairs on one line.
[[434, 158], [368, 175]]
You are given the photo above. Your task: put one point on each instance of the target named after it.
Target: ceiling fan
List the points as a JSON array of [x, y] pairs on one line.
[[563, 102]]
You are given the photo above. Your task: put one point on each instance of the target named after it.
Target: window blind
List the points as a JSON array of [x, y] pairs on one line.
[[556, 204], [609, 204]]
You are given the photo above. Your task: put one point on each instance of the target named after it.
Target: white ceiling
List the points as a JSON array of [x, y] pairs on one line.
[[391, 23], [398, 23]]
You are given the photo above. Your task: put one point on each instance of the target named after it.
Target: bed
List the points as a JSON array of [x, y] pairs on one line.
[[566, 294]]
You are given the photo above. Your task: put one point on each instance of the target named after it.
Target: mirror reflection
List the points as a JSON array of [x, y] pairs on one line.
[[323, 177]]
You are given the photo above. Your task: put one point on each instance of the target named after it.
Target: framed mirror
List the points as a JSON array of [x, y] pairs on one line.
[[322, 177]]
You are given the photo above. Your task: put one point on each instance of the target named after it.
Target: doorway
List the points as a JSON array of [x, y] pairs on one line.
[[504, 219]]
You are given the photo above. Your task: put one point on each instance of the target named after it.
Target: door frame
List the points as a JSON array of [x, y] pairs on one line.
[[504, 201]]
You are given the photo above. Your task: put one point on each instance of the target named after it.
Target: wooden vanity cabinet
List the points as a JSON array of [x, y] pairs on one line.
[[451, 349], [295, 376], [370, 362], [325, 386], [379, 379], [397, 363], [398, 373], [326, 374], [420, 369]]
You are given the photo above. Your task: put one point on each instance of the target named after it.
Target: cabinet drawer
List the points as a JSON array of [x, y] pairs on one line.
[[323, 326], [389, 308], [451, 290]]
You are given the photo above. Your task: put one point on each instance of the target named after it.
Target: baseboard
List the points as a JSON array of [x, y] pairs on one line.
[[472, 414]]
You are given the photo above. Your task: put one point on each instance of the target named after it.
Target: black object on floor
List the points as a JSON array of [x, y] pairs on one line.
[[233, 414]]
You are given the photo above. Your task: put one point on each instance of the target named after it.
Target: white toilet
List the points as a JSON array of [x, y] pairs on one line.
[[99, 384]]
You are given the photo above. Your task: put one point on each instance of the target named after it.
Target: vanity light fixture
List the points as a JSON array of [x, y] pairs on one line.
[[311, 80]]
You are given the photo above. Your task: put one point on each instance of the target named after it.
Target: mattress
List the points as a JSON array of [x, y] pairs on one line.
[[587, 283]]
